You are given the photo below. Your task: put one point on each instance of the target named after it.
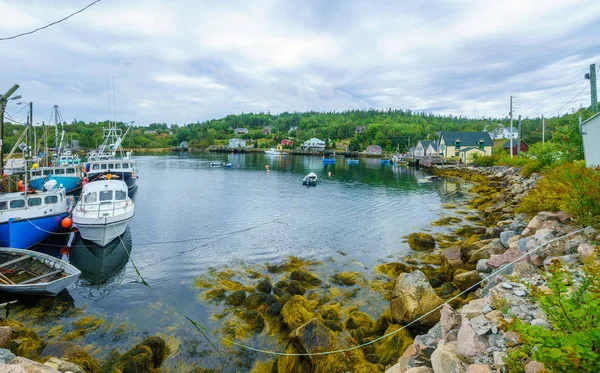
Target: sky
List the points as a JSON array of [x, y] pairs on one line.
[[190, 60]]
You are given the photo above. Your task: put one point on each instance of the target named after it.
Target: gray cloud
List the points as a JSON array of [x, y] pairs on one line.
[[184, 61]]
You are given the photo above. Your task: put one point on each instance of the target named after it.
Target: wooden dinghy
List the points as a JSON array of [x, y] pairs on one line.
[[30, 272]]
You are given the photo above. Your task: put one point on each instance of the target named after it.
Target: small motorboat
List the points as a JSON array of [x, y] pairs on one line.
[[228, 165], [29, 272], [328, 160], [353, 161], [274, 151], [216, 164], [310, 179], [103, 211], [384, 161]]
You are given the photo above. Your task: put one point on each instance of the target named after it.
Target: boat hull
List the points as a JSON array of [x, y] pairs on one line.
[[51, 288], [103, 231], [70, 183], [24, 233]]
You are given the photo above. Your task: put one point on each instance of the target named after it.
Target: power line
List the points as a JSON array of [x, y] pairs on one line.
[[568, 102], [50, 24]]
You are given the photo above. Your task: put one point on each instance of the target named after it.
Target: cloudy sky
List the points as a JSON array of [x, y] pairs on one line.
[[190, 60]]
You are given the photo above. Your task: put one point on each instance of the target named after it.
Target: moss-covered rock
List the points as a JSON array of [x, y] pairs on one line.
[[296, 312], [421, 241], [393, 269], [264, 286], [390, 348], [331, 311], [274, 309], [237, 298], [446, 290], [80, 357], [215, 295], [346, 278], [412, 297], [382, 323], [145, 357], [257, 299], [447, 221], [24, 341], [295, 288], [305, 278], [278, 291], [335, 326], [254, 320], [465, 280]]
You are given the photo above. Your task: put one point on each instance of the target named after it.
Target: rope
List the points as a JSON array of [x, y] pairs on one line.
[[203, 328]]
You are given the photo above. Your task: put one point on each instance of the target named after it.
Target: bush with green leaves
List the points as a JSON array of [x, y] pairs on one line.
[[572, 307]]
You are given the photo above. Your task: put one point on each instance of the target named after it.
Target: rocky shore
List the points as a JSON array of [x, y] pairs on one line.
[[474, 338]]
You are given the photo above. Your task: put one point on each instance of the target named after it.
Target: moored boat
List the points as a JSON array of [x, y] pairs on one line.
[[353, 161], [310, 179], [274, 151], [103, 211], [67, 176], [328, 160], [30, 272]]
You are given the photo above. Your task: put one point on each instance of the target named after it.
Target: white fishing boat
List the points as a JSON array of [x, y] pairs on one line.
[[30, 272], [274, 151], [103, 211], [310, 179]]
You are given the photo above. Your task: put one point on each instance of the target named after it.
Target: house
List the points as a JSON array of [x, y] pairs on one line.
[[314, 144], [524, 146], [286, 142], [183, 145], [425, 148], [293, 128], [236, 143], [267, 130], [360, 129], [465, 144], [590, 132], [373, 149], [241, 131]]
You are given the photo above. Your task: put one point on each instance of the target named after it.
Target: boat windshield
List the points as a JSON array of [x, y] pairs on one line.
[[106, 195], [90, 198], [120, 195]]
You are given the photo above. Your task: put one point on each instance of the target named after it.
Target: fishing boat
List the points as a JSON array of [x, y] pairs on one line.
[[216, 164], [67, 176], [353, 161], [328, 160], [274, 151], [228, 165], [310, 179], [103, 211], [33, 273], [109, 158]]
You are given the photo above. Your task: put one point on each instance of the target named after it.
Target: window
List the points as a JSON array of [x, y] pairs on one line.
[[103, 166], [70, 170], [106, 195], [480, 144], [36, 173], [125, 165], [457, 144], [96, 167], [59, 171], [89, 198], [34, 201], [17, 203], [111, 166], [456, 154], [117, 166], [120, 195], [47, 172], [50, 200], [3, 205]]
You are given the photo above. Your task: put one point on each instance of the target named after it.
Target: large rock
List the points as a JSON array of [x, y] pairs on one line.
[[465, 280], [446, 360], [474, 308], [6, 356], [311, 337], [468, 247], [419, 370], [469, 344], [479, 368], [5, 336], [449, 319], [585, 252], [451, 261], [425, 344], [413, 297], [534, 367], [494, 247], [23, 365], [496, 261], [63, 366], [505, 236], [421, 241], [409, 359]]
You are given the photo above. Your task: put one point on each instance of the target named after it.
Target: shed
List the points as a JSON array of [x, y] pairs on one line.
[[516, 142], [236, 143], [590, 132]]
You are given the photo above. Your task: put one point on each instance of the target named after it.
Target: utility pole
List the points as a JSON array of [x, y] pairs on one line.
[[543, 128], [519, 138], [3, 101], [593, 88], [31, 141], [511, 128]]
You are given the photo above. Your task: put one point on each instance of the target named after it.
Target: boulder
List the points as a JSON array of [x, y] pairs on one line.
[[469, 247], [236, 298], [6, 356], [389, 348], [64, 366], [480, 324], [5, 336], [425, 344], [449, 319], [505, 236], [264, 286], [419, 370], [465, 280], [585, 251], [469, 344], [295, 288], [534, 367], [451, 261], [482, 266], [446, 360], [311, 337], [305, 278], [409, 359], [413, 297], [23, 365], [473, 309], [479, 368], [421, 241], [146, 356], [494, 247], [496, 261], [542, 236]]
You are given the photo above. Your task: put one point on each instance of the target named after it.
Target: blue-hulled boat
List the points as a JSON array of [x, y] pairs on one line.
[[384, 161], [67, 176], [26, 219], [353, 161], [328, 160]]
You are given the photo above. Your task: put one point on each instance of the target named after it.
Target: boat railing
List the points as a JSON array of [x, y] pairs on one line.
[[102, 210]]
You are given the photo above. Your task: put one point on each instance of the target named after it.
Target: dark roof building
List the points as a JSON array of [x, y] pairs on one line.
[[516, 142]]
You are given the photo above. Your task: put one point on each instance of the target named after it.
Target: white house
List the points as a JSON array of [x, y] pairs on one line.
[[236, 143], [590, 131], [424, 148], [314, 144], [241, 131]]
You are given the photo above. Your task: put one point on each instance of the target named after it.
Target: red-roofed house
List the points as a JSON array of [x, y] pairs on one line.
[[286, 142]]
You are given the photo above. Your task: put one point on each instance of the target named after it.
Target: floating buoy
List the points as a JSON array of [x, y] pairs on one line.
[[329, 174], [267, 166], [65, 250], [35, 165], [20, 186], [66, 222]]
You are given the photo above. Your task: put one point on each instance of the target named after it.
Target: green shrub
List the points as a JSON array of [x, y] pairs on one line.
[[484, 161], [572, 188], [573, 310]]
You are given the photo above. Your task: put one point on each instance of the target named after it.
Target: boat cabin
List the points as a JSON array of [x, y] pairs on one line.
[[110, 165], [13, 202], [56, 170]]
